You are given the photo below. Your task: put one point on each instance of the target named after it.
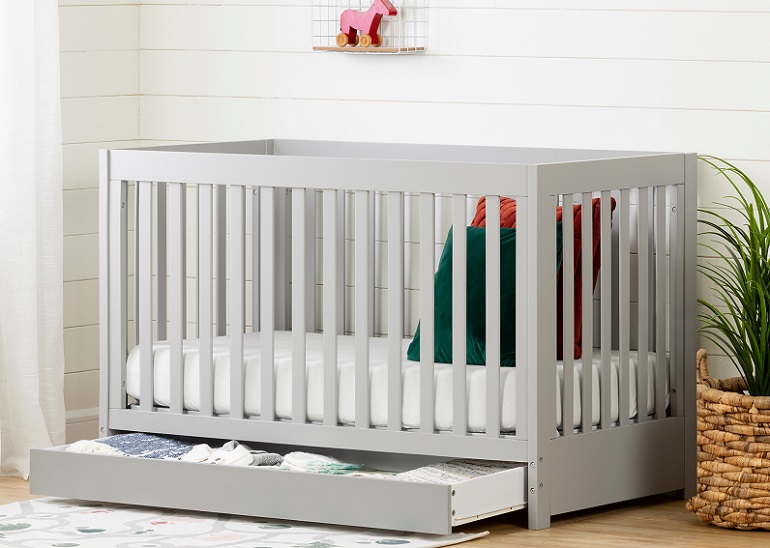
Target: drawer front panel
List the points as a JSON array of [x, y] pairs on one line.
[[252, 491]]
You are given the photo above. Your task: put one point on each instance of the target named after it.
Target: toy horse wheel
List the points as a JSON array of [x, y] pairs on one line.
[[357, 40], [366, 40], [342, 39], [378, 43]]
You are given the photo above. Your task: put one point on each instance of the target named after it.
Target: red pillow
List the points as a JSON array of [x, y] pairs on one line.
[[508, 220]]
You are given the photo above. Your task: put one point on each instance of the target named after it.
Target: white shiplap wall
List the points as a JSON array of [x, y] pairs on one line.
[[683, 75], [99, 43]]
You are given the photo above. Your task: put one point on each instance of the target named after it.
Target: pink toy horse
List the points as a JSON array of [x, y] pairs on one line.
[[366, 21]]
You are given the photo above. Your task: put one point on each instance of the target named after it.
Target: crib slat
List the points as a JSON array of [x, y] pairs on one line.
[[522, 312], [220, 253], [310, 260], [237, 316], [587, 326], [137, 338], [438, 234], [568, 314], [371, 259], [624, 306], [161, 279], [661, 288], [643, 304], [177, 290], [205, 299], [255, 259], [395, 305], [143, 266], [606, 310], [364, 281], [459, 314], [267, 311], [299, 291], [331, 296], [427, 311], [493, 316], [409, 268], [340, 258]]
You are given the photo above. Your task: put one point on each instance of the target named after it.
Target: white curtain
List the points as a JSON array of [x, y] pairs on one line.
[[31, 325]]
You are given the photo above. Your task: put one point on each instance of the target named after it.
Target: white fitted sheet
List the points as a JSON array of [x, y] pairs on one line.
[[378, 375]]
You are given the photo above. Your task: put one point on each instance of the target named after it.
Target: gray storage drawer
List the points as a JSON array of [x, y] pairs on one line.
[[272, 493]]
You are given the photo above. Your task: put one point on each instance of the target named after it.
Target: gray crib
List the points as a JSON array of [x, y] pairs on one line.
[[265, 291]]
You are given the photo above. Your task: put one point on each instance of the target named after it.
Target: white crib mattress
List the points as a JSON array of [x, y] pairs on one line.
[[378, 376]]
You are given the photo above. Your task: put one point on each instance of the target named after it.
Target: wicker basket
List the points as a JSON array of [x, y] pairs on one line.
[[733, 453]]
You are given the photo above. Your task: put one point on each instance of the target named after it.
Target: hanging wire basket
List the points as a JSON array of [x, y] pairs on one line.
[[406, 32]]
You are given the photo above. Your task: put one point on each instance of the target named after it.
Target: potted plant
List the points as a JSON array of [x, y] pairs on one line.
[[734, 414]]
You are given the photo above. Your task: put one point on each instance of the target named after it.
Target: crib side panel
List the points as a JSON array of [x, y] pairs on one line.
[[637, 320], [213, 258]]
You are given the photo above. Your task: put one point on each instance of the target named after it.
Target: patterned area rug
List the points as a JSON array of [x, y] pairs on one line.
[[51, 522]]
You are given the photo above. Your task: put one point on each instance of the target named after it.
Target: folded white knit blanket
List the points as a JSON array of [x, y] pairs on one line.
[[320, 464], [453, 471]]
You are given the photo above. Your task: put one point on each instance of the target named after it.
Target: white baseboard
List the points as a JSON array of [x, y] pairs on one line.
[[82, 424]]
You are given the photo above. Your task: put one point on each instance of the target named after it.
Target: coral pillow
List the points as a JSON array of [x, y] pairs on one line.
[[508, 220]]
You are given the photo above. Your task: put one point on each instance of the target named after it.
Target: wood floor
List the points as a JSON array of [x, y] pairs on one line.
[[655, 521]]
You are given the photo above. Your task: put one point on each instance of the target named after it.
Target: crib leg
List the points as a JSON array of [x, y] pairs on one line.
[[538, 497], [538, 514]]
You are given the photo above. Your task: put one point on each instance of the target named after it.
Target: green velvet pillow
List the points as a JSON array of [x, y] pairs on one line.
[[476, 299]]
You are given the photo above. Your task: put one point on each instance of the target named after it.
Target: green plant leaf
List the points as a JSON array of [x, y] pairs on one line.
[[738, 321]]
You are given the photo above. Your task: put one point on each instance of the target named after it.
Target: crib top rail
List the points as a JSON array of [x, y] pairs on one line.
[[393, 166], [400, 151]]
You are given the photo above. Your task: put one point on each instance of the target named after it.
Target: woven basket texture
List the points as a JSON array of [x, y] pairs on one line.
[[733, 453]]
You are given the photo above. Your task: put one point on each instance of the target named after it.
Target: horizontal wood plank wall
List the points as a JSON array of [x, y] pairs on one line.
[[99, 44], [623, 84], [572, 74]]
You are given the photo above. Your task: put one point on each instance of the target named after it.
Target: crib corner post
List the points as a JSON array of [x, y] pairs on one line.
[[540, 361], [112, 292], [104, 159], [538, 498], [689, 319]]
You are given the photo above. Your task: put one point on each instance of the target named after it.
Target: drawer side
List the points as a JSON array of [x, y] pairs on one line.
[[489, 495]]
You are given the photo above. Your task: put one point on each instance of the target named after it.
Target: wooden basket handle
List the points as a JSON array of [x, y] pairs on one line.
[[703, 365]]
